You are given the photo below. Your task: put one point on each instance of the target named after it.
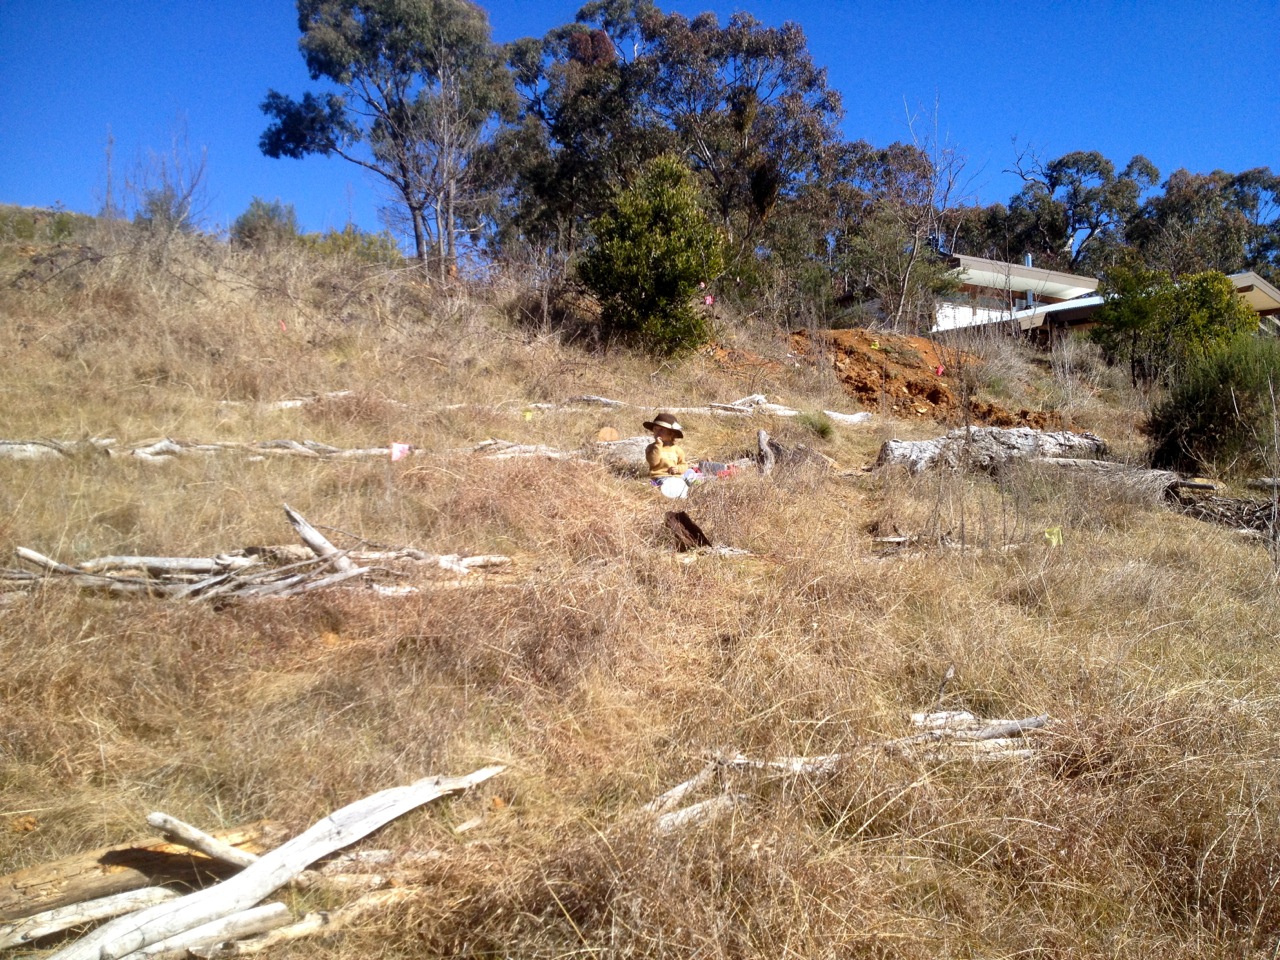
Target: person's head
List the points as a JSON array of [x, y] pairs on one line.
[[665, 427]]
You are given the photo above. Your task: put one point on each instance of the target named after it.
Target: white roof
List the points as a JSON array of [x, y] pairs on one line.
[[1035, 316], [996, 275], [1259, 294]]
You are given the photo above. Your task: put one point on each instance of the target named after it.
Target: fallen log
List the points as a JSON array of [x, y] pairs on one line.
[[155, 924], [243, 923], [704, 811], [45, 924], [118, 869], [986, 448]]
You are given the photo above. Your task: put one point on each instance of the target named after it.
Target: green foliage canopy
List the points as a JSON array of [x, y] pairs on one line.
[[1219, 416], [652, 249], [1157, 326]]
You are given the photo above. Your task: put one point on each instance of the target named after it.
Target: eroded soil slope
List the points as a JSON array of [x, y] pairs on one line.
[[911, 377]]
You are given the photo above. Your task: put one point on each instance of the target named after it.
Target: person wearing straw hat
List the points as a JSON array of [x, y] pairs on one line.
[[665, 456]]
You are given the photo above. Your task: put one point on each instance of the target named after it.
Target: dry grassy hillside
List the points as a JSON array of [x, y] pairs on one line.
[[604, 666]]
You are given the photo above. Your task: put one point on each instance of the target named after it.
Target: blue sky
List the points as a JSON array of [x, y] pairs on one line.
[[1190, 84]]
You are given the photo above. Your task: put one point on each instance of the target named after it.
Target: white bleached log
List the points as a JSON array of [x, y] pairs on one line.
[[57, 920], [673, 797], [166, 565], [317, 541], [986, 448], [177, 831], [324, 921], [244, 923], [705, 811], [272, 870], [766, 453]]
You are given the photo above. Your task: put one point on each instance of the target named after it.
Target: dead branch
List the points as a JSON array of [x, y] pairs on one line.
[[189, 836], [324, 921], [54, 921], [153, 925]]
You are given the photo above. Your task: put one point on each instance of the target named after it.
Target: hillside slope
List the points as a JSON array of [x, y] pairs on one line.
[[604, 665]]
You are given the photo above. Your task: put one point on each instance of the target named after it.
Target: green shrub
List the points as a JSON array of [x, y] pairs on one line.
[[1157, 325], [1218, 417], [652, 248], [351, 241], [816, 422], [265, 224]]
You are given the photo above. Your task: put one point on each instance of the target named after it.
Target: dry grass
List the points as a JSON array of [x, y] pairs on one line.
[[605, 668]]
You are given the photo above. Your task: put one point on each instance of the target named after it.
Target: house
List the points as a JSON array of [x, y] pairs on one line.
[[993, 292], [1045, 304]]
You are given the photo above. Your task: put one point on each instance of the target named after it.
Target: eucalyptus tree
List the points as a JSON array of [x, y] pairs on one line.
[[419, 85]]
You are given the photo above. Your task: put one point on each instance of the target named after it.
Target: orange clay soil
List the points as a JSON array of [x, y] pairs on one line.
[[898, 374]]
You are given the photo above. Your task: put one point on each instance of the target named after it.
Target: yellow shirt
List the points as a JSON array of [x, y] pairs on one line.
[[664, 460]]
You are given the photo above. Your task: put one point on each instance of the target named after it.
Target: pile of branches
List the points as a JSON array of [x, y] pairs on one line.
[[225, 919], [1253, 516], [250, 573], [940, 736]]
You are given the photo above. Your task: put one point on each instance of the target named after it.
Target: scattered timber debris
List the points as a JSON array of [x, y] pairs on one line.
[[986, 448], [941, 736], [228, 918], [1255, 517], [241, 575], [162, 449]]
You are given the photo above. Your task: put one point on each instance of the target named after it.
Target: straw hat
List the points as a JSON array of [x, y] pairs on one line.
[[665, 420]]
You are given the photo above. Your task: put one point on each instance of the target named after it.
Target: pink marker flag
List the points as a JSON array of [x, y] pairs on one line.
[[399, 451]]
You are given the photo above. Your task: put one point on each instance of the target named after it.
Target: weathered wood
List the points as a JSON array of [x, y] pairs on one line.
[[986, 448], [117, 869], [244, 923], [272, 871], [705, 811], [316, 540], [168, 565], [325, 921], [673, 797], [766, 453], [189, 836], [54, 921]]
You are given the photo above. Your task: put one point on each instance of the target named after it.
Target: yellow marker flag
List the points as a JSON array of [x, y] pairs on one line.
[[1054, 536], [528, 414]]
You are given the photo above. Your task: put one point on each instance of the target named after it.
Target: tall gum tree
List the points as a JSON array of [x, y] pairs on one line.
[[420, 84]]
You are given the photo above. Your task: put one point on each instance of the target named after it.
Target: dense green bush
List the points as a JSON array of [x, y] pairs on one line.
[[1158, 326], [1219, 415], [265, 224], [652, 248], [351, 241]]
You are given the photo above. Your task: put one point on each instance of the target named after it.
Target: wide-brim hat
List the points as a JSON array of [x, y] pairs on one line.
[[668, 421]]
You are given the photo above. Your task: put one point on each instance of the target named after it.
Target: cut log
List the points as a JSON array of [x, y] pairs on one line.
[[120, 868], [189, 836], [64, 918], [272, 871], [986, 448]]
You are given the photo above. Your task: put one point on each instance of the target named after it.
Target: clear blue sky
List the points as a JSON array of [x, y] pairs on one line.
[[1189, 83]]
